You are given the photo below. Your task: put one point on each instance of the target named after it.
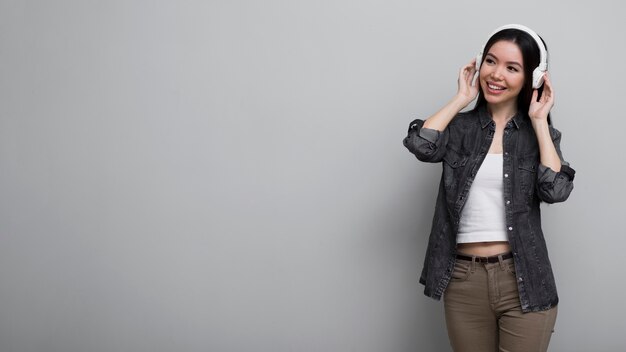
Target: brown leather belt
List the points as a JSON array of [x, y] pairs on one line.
[[492, 259]]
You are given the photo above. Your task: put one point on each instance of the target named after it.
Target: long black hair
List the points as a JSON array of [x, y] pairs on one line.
[[530, 55]]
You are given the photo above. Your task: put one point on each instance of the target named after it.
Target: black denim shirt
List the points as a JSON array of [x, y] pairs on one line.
[[462, 147]]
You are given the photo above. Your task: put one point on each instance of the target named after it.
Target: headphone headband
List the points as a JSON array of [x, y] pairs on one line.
[[540, 70]]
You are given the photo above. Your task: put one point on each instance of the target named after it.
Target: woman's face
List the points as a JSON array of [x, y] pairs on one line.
[[502, 73]]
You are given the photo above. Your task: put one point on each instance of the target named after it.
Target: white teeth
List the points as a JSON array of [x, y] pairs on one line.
[[495, 87]]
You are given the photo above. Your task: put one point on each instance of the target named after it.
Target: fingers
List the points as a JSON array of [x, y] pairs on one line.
[[548, 90], [474, 76], [466, 74], [534, 97], [470, 70], [471, 65], [540, 108]]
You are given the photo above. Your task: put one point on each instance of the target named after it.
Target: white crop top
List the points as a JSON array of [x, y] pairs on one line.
[[483, 217]]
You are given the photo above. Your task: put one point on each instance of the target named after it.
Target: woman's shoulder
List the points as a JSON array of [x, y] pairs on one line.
[[464, 118]]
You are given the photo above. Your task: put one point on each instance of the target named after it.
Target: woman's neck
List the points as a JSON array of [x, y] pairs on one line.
[[502, 113]]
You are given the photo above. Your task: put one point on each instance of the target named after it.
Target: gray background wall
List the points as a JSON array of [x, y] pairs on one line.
[[230, 175]]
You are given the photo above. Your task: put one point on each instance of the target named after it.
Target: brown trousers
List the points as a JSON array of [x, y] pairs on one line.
[[483, 312]]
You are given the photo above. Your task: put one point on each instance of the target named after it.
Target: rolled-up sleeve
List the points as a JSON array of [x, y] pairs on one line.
[[426, 144], [552, 186]]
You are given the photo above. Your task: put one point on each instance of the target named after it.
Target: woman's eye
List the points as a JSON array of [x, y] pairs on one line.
[[514, 69], [489, 61]]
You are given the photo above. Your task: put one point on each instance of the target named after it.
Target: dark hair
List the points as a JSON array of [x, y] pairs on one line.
[[530, 55]]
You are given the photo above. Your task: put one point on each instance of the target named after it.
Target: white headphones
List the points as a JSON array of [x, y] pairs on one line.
[[540, 70]]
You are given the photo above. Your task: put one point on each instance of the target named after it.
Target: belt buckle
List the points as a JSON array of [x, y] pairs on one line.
[[481, 259]]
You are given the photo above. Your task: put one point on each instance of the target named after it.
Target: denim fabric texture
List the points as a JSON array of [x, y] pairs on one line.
[[461, 148]]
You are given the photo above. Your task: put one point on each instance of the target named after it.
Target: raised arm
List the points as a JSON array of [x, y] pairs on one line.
[[555, 185], [467, 92], [555, 178], [427, 139]]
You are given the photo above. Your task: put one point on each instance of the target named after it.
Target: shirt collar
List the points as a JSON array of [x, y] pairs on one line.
[[485, 118]]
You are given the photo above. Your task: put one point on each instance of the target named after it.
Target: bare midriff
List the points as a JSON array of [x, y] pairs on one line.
[[484, 249]]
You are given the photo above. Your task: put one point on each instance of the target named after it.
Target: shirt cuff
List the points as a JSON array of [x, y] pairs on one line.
[[429, 134], [565, 169], [548, 175]]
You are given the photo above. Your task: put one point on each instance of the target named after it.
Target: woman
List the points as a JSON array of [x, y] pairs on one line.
[[486, 254]]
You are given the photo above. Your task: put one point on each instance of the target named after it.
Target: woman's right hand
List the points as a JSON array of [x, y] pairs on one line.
[[468, 92]]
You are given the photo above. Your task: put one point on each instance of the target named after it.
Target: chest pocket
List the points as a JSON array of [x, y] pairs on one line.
[[453, 165], [527, 166]]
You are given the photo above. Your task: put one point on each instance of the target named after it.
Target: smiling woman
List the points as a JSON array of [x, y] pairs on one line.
[[502, 75], [487, 255]]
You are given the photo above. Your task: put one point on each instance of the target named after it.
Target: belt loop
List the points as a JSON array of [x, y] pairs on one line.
[[502, 266], [473, 266]]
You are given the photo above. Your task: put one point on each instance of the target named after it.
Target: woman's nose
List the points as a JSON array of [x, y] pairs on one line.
[[497, 73]]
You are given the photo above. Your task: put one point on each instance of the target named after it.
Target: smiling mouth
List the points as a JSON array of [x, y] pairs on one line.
[[494, 88]]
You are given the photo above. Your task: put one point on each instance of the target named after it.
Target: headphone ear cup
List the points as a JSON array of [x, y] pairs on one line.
[[538, 74]]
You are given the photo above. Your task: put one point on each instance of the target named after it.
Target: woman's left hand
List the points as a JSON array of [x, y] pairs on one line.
[[539, 110]]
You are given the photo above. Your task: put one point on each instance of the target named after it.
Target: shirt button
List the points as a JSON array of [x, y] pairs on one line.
[[508, 202], [510, 228], [520, 279], [506, 175], [506, 153]]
